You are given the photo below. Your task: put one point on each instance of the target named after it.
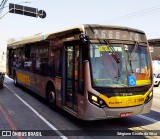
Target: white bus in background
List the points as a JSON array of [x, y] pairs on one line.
[[156, 67]]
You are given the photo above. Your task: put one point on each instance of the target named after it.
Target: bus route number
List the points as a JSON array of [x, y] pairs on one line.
[[112, 34], [138, 100], [103, 34]]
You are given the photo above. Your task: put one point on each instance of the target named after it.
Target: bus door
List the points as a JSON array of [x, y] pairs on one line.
[[72, 75]]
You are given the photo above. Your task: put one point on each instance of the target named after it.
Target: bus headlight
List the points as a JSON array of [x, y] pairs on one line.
[[151, 94], [96, 100], [149, 97]]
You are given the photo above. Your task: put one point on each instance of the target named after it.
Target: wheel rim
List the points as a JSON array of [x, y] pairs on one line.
[[51, 97]]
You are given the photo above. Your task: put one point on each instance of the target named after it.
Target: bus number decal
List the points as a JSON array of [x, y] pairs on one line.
[[103, 34], [126, 47], [134, 37], [138, 100], [117, 35], [95, 33], [110, 34]]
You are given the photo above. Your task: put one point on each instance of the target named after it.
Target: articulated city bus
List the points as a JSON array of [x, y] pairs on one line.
[[91, 71]]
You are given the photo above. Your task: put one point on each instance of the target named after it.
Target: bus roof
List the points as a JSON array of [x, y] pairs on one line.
[[60, 33]]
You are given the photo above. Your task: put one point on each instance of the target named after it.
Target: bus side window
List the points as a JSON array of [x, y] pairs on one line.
[[27, 61], [44, 66], [56, 62], [44, 61], [17, 58]]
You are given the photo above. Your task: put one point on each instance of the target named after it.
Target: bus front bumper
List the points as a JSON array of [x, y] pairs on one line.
[[93, 112], [130, 111]]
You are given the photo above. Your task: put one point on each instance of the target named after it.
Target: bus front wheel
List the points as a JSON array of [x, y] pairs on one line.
[[51, 97]]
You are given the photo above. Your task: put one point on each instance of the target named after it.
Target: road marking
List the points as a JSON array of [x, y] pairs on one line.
[[40, 116], [147, 118], [9, 121]]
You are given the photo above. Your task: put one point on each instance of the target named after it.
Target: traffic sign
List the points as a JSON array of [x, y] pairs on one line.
[[24, 10]]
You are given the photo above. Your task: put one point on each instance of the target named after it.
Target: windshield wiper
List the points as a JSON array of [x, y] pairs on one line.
[[114, 53], [134, 50], [115, 57]]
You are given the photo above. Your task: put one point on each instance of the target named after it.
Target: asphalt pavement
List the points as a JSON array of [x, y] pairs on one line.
[[22, 110]]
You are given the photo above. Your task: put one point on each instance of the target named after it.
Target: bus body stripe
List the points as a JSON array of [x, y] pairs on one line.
[[124, 101]]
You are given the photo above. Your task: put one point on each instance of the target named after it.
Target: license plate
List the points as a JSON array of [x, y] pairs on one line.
[[125, 114]]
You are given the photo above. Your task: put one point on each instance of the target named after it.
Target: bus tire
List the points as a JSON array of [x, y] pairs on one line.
[[15, 78], [51, 96]]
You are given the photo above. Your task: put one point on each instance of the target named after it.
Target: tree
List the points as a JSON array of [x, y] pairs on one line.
[[10, 40]]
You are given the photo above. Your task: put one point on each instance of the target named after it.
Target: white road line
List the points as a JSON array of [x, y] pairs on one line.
[[40, 116], [147, 118]]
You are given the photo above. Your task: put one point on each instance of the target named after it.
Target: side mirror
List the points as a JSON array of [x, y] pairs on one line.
[[116, 58], [84, 37], [85, 46]]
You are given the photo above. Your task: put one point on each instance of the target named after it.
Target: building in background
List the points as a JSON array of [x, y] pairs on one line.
[[154, 48]]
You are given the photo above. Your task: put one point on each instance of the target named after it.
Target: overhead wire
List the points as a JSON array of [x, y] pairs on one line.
[[2, 5], [136, 14]]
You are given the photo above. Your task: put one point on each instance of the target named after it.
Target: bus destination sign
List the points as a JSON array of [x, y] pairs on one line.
[[116, 35]]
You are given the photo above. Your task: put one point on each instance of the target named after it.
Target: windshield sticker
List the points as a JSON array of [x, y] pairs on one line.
[[142, 76], [144, 73], [104, 48], [131, 81]]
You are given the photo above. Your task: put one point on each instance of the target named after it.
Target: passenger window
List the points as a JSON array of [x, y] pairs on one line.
[[56, 62]]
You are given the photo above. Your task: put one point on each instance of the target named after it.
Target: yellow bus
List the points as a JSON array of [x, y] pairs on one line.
[[91, 71]]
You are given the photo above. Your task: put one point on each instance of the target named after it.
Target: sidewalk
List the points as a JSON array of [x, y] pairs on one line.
[[2, 66]]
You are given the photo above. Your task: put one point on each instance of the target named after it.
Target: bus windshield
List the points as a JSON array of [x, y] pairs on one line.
[[131, 69]]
